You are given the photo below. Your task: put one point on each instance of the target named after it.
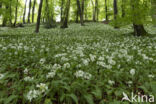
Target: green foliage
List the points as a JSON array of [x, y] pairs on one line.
[[78, 65]]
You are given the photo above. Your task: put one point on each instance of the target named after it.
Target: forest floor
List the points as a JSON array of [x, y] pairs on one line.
[[91, 64]]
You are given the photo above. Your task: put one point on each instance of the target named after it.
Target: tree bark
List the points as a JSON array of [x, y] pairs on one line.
[[39, 16], [16, 13], [66, 15], [106, 10], [139, 30], [33, 10], [80, 10], [62, 2], [115, 12], [10, 17], [24, 11], [77, 16], [29, 11], [96, 11]]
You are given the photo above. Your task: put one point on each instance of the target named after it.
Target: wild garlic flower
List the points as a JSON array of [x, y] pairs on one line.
[[132, 72], [43, 87], [1, 76], [28, 79], [82, 74], [32, 94], [42, 60], [51, 74], [25, 71], [111, 82], [151, 76], [66, 66]]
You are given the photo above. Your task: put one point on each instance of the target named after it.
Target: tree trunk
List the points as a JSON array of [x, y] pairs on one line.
[[62, 2], [96, 11], [80, 10], [66, 15], [115, 12], [10, 17], [115, 9], [139, 30], [77, 16], [106, 10], [29, 11], [39, 16], [33, 10], [16, 14], [24, 11]]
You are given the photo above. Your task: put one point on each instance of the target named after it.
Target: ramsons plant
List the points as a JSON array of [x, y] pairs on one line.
[[89, 65]]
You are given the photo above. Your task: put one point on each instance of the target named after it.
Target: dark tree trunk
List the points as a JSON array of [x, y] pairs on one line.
[[139, 30], [115, 12], [16, 14], [24, 11], [0, 4], [66, 14], [62, 2], [29, 11], [33, 10], [39, 16], [80, 10], [115, 9], [77, 16], [97, 10], [106, 10]]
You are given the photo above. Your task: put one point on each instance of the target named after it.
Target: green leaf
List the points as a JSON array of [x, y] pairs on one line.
[[10, 98], [74, 97], [89, 99]]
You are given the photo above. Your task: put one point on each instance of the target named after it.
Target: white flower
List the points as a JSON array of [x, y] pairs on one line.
[[132, 71], [42, 60], [92, 57], [111, 82], [82, 74], [151, 76], [25, 71], [56, 66], [43, 87], [85, 62], [66, 65], [51, 74], [28, 79], [1, 76], [112, 62], [32, 94], [64, 59]]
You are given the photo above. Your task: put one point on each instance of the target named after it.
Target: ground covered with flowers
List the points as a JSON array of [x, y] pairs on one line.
[[93, 64]]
